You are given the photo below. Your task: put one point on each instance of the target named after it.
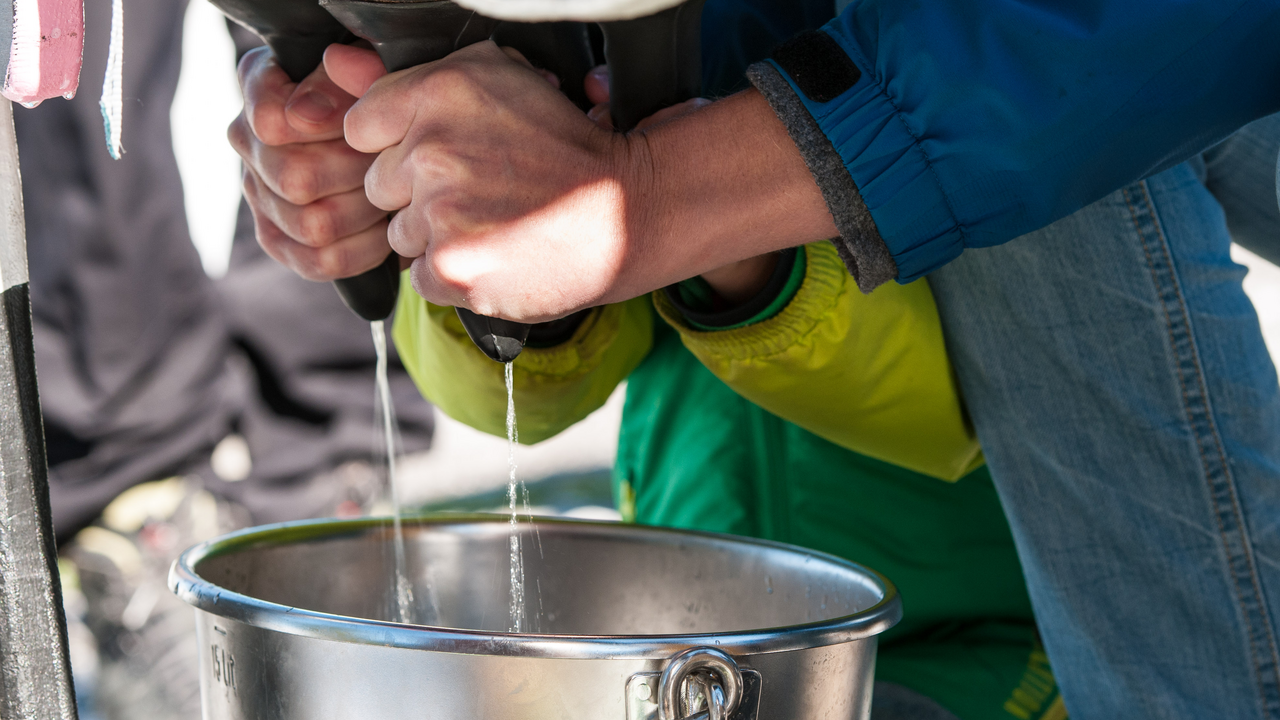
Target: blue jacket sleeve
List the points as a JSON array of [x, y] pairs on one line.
[[939, 125], [738, 33]]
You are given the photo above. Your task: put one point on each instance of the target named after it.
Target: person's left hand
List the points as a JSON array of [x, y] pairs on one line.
[[504, 188]]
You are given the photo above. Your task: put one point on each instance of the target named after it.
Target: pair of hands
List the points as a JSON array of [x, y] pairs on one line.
[[507, 199]]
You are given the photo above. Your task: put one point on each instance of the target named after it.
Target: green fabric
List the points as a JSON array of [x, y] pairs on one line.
[[697, 293], [869, 372], [554, 387], [694, 454], [951, 660]]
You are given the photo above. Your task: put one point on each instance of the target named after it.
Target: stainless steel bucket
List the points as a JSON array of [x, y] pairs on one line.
[[630, 623]]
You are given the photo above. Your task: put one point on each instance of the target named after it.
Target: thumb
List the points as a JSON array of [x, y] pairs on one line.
[[596, 83], [353, 69]]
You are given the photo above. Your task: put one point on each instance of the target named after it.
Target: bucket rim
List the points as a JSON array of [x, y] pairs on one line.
[[208, 597]]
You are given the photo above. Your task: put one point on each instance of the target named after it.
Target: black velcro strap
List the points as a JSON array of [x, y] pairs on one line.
[[818, 65]]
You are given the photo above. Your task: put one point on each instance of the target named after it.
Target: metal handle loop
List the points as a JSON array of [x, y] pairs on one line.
[[724, 691], [717, 705]]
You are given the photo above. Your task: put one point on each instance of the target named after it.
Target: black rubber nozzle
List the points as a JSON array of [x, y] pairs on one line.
[[372, 294], [501, 340]]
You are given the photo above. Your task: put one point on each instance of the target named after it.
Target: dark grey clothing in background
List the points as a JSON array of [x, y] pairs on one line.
[[141, 357], [312, 363], [131, 350]]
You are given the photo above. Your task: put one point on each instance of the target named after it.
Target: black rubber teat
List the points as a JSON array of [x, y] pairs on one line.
[[501, 340], [372, 295]]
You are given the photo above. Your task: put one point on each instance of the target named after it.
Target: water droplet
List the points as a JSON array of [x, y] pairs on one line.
[[57, 33], [768, 585], [30, 104]]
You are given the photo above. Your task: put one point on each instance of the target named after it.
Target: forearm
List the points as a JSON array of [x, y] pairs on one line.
[[714, 187]]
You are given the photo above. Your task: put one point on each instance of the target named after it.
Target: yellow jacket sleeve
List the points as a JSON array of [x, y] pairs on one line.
[[554, 387], [867, 372]]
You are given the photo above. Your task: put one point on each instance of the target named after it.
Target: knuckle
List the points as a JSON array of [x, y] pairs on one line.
[[274, 243], [402, 239], [357, 128], [423, 155], [451, 277], [452, 79], [298, 181], [254, 61], [256, 113], [238, 135], [318, 223], [249, 187], [267, 123], [375, 176], [397, 239], [331, 262], [246, 68]]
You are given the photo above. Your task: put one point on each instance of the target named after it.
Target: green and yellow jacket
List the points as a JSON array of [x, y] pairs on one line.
[[829, 419]]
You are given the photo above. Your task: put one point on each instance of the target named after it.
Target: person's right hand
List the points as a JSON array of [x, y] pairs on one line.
[[302, 180]]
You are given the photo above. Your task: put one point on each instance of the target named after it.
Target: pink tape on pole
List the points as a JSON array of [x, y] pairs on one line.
[[45, 51]]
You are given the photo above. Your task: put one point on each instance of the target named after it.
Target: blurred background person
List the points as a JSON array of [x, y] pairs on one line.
[[176, 407]]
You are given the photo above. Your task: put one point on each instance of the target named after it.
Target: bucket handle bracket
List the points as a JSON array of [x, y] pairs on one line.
[[706, 679]]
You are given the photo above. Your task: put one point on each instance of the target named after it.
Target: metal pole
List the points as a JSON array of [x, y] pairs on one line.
[[35, 671]]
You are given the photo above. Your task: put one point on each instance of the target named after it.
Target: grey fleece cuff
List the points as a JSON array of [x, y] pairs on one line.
[[860, 246]]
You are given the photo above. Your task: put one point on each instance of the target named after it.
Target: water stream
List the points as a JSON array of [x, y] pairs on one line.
[[402, 588], [517, 557]]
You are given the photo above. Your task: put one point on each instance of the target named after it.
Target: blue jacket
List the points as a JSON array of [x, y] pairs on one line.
[[938, 125]]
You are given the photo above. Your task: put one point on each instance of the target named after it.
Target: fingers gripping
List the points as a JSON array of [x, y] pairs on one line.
[[303, 182], [314, 224], [280, 112], [353, 69], [345, 257]]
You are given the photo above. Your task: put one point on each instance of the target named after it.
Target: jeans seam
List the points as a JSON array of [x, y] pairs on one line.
[[1241, 564]]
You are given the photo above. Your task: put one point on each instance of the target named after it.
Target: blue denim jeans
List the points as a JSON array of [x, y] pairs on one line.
[[1116, 374]]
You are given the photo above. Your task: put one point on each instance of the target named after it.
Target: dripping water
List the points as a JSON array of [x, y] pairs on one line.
[[401, 588], [517, 558]]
